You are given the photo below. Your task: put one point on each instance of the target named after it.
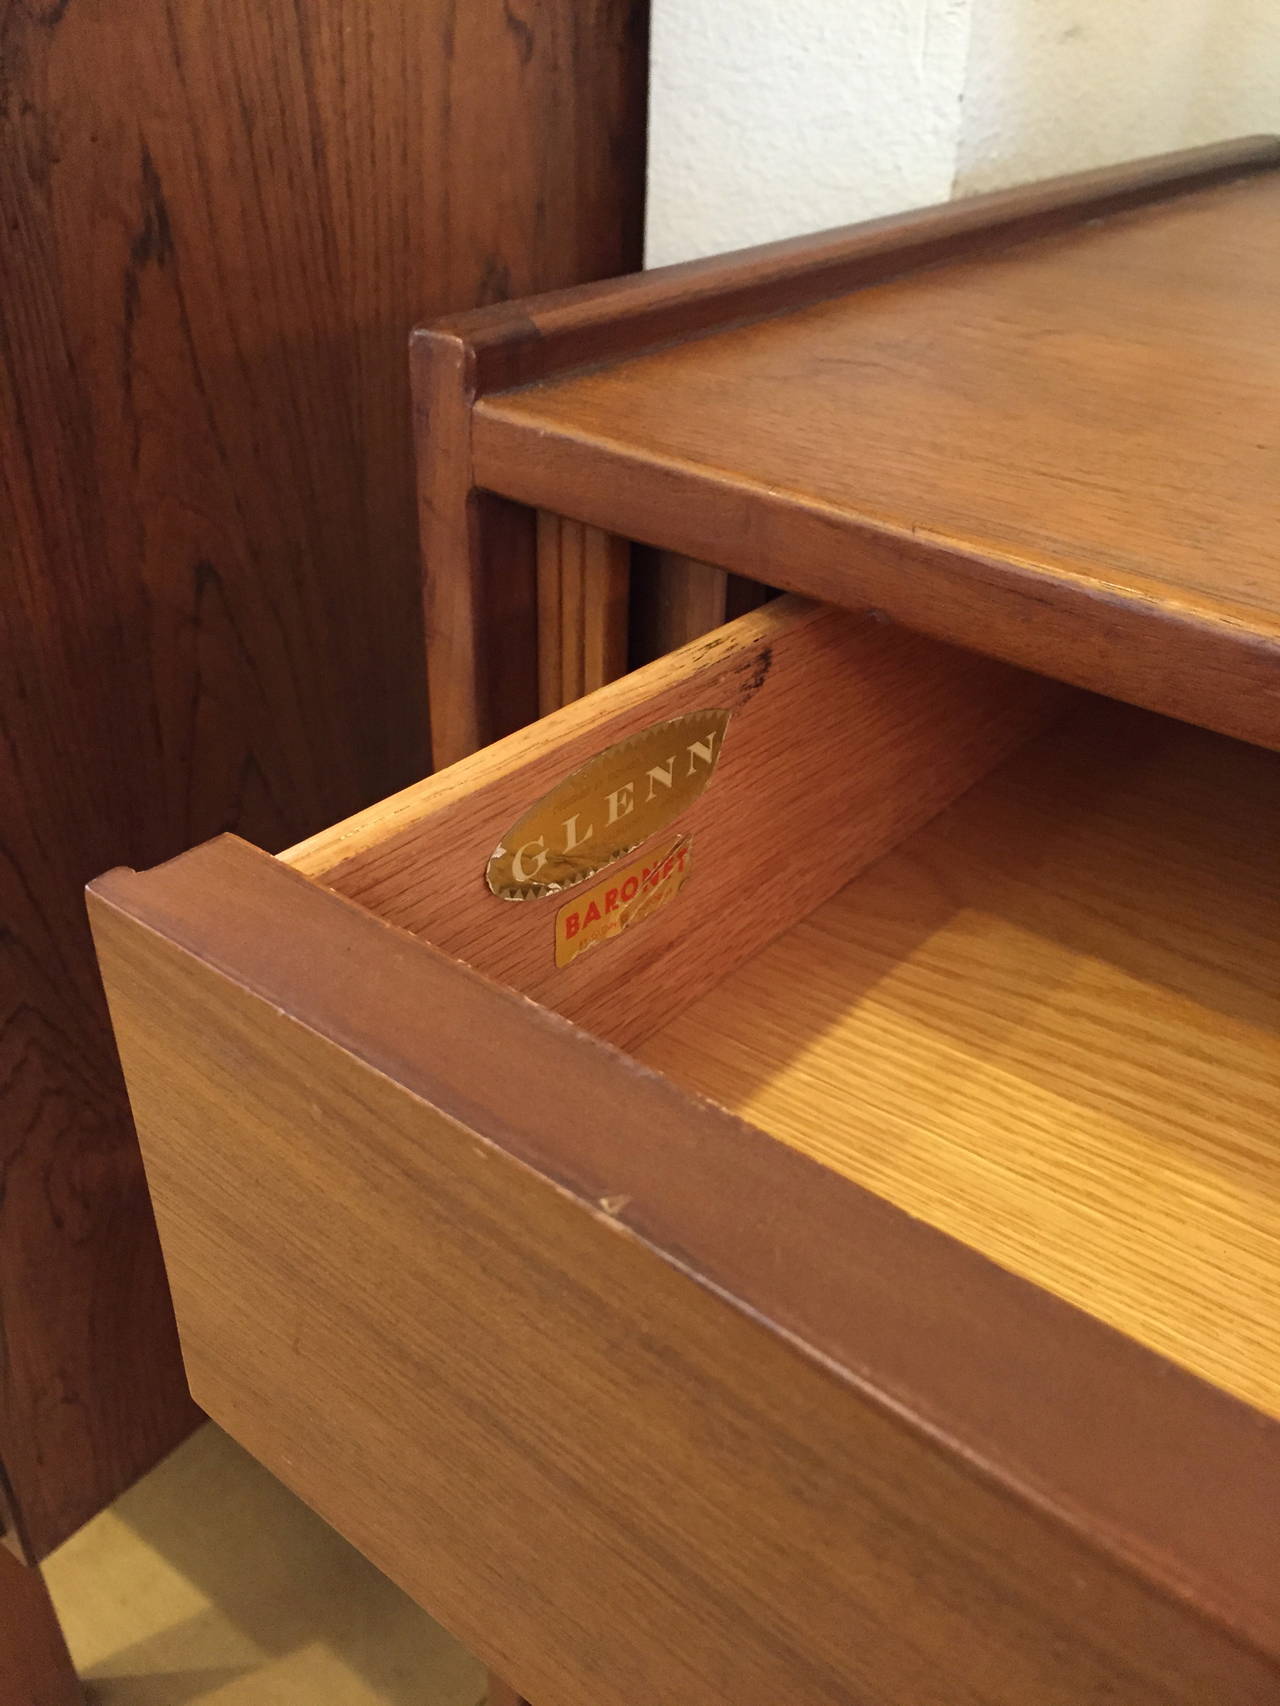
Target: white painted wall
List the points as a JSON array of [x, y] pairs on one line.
[[770, 117], [1052, 85]]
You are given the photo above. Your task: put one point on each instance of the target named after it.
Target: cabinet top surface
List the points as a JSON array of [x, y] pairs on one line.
[[1099, 408]]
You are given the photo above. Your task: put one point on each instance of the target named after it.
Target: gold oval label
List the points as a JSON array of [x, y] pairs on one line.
[[608, 807]]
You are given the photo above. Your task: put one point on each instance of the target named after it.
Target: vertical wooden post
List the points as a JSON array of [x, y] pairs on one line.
[[35, 1667], [479, 567], [682, 599], [584, 579], [690, 599]]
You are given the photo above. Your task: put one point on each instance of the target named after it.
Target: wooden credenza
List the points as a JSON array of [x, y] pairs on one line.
[[761, 1185]]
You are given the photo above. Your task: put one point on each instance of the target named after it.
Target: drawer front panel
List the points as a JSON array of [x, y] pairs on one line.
[[610, 1479]]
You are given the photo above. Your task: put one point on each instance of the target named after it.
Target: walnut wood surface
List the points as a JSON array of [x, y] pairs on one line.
[[689, 598], [584, 579], [480, 563], [779, 827], [678, 599], [1062, 453], [517, 343], [219, 223], [416, 1227], [481, 624], [35, 1667], [1049, 1023]]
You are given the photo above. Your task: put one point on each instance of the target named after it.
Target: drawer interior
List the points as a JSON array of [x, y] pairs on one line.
[[1049, 1023], [1006, 955]]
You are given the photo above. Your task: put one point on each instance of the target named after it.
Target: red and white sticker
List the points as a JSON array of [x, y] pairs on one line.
[[626, 896]]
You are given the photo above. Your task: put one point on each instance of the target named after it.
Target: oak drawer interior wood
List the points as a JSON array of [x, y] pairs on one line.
[[1048, 1023], [992, 968]]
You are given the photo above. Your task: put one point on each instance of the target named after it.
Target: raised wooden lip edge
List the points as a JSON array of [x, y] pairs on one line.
[[517, 343], [1114, 1475], [458, 361]]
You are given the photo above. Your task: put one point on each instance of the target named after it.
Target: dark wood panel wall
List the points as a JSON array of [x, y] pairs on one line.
[[219, 220]]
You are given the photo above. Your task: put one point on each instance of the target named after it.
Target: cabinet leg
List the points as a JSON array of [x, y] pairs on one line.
[[35, 1667], [500, 1693]]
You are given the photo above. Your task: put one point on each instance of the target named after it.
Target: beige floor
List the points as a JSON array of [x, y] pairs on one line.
[[209, 1583]]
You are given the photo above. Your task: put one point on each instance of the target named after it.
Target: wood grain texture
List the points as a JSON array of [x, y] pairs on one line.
[[501, 1389], [1062, 454], [778, 828], [219, 223], [513, 345], [519, 343], [676, 600], [1049, 1023], [480, 571], [35, 1667], [690, 600], [584, 579]]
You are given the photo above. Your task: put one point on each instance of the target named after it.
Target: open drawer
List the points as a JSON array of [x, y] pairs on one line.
[[897, 1321]]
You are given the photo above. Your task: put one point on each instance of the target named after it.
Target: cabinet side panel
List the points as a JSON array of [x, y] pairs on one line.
[[220, 222], [35, 1667]]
